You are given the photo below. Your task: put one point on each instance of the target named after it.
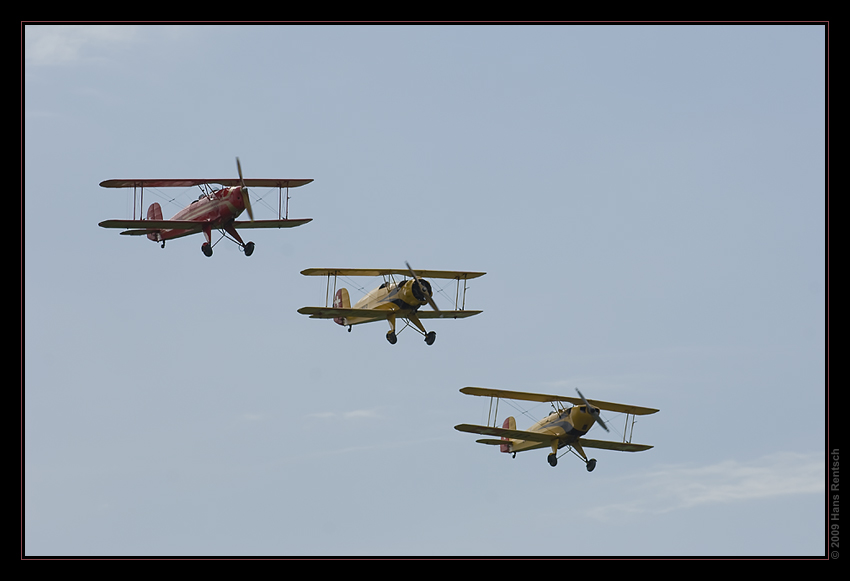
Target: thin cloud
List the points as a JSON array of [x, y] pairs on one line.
[[361, 414], [686, 486], [67, 44], [348, 414]]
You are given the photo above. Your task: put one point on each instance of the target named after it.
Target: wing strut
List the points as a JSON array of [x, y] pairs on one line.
[[141, 202], [626, 427], [496, 414]]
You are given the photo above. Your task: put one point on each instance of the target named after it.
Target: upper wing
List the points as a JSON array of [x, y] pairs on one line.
[[271, 223], [152, 225], [507, 433], [186, 183], [541, 397], [332, 313], [381, 272], [485, 391], [605, 445]]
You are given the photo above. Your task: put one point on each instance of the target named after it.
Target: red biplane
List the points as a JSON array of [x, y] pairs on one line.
[[214, 209]]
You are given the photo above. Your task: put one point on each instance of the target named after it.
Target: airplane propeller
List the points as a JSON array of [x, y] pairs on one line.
[[422, 288], [244, 191], [593, 412]]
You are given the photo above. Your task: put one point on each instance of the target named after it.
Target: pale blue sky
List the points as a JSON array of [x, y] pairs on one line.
[[648, 204]]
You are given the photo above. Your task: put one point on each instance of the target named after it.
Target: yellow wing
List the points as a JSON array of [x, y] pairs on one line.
[[507, 433], [446, 314], [333, 313], [605, 445], [381, 272], [541, 397], [378, 314]]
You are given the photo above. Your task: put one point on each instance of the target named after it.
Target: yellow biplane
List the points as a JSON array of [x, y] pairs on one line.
[[562, 427], [392, 300]]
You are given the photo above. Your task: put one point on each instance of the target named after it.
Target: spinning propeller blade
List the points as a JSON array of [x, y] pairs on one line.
[[593, 411], [244, 191], [422, 287]]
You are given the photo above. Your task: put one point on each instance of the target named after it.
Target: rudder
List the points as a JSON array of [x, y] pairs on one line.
[[510, 424], [341, 301], [154, 213]]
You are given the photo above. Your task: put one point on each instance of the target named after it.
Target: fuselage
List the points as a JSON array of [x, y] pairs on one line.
[[569, 425], [215, 210], [401, 297]]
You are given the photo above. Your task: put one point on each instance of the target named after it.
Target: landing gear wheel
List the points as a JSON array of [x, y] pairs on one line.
[[249, 249], [591, 464], [431, 337], [553, 460], [206, 249], [391, 338]]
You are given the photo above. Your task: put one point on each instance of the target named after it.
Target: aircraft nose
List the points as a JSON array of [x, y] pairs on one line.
[[242, 194]]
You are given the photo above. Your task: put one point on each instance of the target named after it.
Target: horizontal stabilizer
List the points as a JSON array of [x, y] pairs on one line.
[[491, 442], [541, 397]]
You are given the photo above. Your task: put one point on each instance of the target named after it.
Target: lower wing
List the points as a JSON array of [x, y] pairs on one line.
[[271, 223], [152, 225], [605, 445], [334, 313], [379, 314], [445, 314], [507, 433]]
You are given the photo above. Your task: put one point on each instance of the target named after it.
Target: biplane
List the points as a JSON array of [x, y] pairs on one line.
[[215, 209], [564, 426], [392, 300]]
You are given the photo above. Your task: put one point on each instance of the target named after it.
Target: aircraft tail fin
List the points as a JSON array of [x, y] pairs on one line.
[[154, 213], [510, 424], [341, 301]]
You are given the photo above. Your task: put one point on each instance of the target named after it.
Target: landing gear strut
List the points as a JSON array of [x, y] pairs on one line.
[[391, 333], [589, 464], [207, 247]]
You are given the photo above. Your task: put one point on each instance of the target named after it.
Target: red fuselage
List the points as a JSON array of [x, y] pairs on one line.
[[214, 211]]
